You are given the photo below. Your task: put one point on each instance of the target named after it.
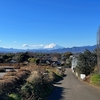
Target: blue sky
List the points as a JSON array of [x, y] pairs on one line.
[[37, 23]]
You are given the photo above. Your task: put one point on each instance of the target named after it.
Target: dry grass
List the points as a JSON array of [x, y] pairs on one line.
[[87, 79], [11, 80], [10, 74], [95, 69], [42, 81], [15, 65], [38, 85], [33, 77]]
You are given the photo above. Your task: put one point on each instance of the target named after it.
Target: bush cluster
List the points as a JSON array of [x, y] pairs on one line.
[[29, 83], [11, 81], [2, 70], [38, 87]]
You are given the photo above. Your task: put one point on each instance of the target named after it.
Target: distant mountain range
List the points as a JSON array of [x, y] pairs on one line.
[[55, 48]]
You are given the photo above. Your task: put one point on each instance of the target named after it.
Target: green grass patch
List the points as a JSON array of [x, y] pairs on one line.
[[14, 97], [95, 79]]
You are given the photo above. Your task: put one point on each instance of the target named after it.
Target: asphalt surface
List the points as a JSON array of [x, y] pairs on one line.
[[72, 88]]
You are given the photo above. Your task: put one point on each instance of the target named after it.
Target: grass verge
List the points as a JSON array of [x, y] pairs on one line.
[[95, 79]]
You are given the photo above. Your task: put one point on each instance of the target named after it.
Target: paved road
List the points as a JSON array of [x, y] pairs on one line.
[[73, 89]]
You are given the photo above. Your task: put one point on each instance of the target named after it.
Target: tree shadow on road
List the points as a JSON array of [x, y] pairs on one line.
[[57, 94]]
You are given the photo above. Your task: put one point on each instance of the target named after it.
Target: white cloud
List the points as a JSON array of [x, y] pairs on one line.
[[52, 45], [33, 46], [41, 45], [26, 45]]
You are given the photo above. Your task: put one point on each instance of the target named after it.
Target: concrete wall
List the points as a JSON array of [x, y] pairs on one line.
[[74, 62]]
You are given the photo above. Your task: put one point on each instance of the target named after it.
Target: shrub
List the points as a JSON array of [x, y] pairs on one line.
[[3, 97], [14, 97], [95, 79], [2, 70], [12, 81], [37, 86], [86, 62]]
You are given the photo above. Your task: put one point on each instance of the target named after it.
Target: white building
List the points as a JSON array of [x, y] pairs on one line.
[[74, 62]]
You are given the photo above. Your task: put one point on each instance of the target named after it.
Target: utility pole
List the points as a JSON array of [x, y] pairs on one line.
[[98, 50]]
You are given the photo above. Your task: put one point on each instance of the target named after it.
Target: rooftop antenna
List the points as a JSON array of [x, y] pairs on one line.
[[98, 50]]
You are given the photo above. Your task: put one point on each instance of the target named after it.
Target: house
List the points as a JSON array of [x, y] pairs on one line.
[[12, 61], [54, 59], [55, 62]]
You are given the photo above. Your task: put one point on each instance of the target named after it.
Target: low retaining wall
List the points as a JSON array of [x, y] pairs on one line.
[[81, 76]]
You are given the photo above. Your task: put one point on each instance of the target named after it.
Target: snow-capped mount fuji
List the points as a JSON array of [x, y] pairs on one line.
[[52, 46]]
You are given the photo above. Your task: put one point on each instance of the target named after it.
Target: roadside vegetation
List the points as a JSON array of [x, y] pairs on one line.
[[87, 64], [29, 83], [34, 78], [95, 79], [2, 70]]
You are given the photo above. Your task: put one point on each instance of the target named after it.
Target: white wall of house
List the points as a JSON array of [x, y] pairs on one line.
[[74, 62]]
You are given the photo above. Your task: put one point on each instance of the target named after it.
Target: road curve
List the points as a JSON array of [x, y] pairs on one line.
[[73, 89]]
